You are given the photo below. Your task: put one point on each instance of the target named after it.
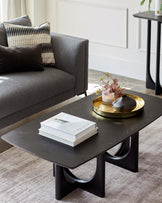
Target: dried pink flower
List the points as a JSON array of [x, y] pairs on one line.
[[113, 87]]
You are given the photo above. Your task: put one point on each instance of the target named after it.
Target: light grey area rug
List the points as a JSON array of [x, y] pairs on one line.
[[25, 178]]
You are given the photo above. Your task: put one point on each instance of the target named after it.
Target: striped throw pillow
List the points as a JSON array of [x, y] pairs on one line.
[[18, 35]]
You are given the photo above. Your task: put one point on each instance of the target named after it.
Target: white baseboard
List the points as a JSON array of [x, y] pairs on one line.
[[127, 68]]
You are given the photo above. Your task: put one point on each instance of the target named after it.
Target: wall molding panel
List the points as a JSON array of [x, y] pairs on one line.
[[117, 39], [142, 36], [109, 27], [142, 41]]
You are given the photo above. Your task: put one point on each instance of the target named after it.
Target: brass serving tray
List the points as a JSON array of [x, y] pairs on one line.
[[107, 110]]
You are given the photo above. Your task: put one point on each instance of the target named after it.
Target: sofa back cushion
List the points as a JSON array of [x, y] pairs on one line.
[[25, 58], [18, 35], [24, 20]]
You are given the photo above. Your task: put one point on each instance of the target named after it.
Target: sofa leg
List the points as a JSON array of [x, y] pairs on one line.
[[85, 93]]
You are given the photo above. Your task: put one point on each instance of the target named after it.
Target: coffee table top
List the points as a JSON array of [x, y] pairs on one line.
[[111, 132]]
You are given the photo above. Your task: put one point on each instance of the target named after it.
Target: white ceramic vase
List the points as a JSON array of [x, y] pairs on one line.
[[158, 7]]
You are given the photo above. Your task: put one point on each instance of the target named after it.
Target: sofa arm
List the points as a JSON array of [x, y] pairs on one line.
[[71, 55]]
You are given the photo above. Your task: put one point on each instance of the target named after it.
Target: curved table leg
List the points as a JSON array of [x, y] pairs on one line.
[[66, 182], [149, 81], [127, 156], [158, 88]]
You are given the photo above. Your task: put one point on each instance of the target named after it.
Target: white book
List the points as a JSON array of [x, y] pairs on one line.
[[63, 135], [65, 124], [66, 141]]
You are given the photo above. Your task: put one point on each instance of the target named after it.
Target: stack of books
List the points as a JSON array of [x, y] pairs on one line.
[[68, 129]]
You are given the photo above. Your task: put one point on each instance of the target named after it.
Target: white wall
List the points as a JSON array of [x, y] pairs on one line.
[[37, 10], [52, 14], [117, 39]]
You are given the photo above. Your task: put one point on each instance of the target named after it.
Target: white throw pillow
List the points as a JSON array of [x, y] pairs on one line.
[[18, 35]]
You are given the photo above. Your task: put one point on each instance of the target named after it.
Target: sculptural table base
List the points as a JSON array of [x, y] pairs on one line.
[[126, 157], [66, 182]]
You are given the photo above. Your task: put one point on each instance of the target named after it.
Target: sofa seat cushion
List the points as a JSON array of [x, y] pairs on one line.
[[24, 89]]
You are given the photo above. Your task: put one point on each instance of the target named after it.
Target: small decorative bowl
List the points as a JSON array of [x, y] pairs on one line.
[[124, 103]]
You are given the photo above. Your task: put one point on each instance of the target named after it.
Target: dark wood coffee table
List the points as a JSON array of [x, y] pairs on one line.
[[111, 132]]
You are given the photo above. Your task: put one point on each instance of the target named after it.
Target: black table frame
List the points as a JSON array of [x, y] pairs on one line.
[[126, 157], [149, 16]]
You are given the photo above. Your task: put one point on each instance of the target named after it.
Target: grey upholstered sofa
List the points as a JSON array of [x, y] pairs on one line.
[[25, 93]]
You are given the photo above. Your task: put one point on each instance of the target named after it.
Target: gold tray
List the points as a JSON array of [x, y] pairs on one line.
[[109, 111]]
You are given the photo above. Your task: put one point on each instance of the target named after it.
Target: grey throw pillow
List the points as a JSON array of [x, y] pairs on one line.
[[18, 35], [23, 20]]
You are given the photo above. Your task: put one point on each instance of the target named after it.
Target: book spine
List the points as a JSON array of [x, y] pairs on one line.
[[66, 134], [65, 137], [47, 135], [66, 141], [55, 131]]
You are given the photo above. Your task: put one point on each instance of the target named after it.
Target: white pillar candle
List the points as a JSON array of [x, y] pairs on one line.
[[108, 98], [158, 7]]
